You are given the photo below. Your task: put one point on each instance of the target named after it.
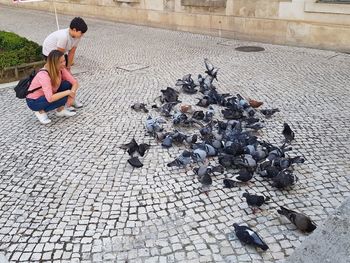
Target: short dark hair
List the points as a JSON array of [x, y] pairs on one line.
[[79, 24]]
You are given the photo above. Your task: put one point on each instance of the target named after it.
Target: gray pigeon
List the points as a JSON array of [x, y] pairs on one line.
[[206, 182], [210, 150], [209, 114], [139, 107], [199, 155], [255, 201], [201, 170], [153, 125], [245, 161], [269, 112], [284, 179], [167, 141], [211, 70], [244, 175], [143, 147], [182, 160], [301, 221], [131, 147], [288, 133], [228, 183]]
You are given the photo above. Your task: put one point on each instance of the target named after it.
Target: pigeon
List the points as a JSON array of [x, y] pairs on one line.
[[182, 160], [231, 114], [153, 125], [191, 139], [198, 115], [255, 200], [169, 95], [143, 147], [228, 183], [247, 236], [199, 155], [203, 102], [226, 160], [201, 170], [250, 111], [206, 85], [255, 126], [160, 136], [288, 133], [251, 120], [284, 178], [242, 102], [301, 221], [209, 114], [131, 147], [209, 149], [206, 182], [211, 70], [269, 172], [187, 83], [185, 108], [135, 162], [167, 142], [166, 108], [139, 106], [206, 131], [245, 161], [255, 103], [244, 175], [284, 163], [269, 112], [205, 179], [217, 169]]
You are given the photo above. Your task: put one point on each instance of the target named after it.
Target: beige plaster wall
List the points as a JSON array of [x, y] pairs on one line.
[[291, 22]]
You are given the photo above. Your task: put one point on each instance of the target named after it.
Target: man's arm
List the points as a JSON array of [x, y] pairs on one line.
[[71, 54]]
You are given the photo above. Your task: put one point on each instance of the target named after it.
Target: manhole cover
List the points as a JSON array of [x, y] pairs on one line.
[[249, 48], [132, 67]]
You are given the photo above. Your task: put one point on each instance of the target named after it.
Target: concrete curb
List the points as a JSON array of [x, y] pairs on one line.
[[3, 259], [8, 85]]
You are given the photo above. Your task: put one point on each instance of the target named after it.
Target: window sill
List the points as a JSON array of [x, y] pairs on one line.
[[330, 8], [204, 3]]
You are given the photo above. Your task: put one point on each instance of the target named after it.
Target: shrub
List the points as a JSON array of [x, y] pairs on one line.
[[16, 50]]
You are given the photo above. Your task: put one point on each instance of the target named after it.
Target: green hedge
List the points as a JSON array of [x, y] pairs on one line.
[[16, 50]]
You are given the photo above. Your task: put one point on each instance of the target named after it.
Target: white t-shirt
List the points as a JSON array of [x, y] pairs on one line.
[[59, 39]]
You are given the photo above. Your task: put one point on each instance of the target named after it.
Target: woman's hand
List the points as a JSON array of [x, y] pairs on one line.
[[72, 94]]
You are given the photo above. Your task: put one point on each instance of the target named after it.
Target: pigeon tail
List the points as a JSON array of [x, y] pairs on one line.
[[263, 246]]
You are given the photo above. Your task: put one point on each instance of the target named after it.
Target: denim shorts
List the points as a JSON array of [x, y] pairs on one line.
[[41, 103]]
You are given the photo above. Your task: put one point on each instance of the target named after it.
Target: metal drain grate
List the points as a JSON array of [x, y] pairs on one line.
[[249, 49], [132, 67]]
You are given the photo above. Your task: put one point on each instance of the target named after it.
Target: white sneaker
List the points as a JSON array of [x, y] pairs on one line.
[[42, 117], [77, 104], [70, 108], [65, 113]]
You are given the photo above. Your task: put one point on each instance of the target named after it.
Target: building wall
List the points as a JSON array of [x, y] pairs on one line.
[[290, 22]]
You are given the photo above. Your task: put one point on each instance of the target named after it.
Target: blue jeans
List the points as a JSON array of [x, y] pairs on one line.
[[41, 103]]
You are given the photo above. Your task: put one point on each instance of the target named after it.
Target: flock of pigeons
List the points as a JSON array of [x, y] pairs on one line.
[[232, 139]]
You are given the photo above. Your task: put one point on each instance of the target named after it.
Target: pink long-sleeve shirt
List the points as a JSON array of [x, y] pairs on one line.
[[42, 79]]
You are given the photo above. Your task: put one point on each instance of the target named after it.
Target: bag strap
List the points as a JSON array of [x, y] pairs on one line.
[[31, 91]]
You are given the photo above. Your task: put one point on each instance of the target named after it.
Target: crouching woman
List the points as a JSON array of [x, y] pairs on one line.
[[58, 89]]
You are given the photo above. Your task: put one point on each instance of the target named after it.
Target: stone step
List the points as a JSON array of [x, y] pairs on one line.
[[330, 242]]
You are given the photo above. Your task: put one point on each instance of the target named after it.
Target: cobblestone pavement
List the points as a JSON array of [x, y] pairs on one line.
[[67, 193]]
